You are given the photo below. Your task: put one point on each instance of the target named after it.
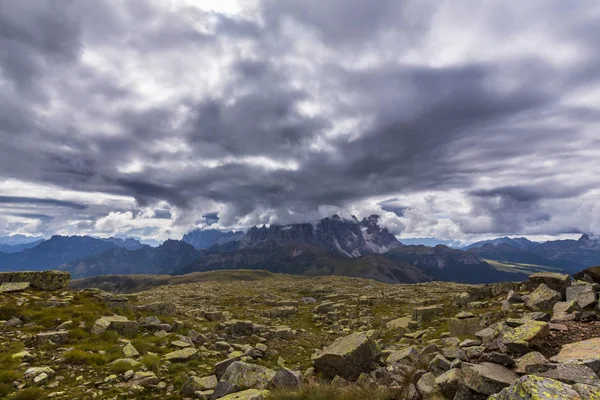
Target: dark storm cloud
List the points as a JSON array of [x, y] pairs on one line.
[[38, 201], [269, 135]]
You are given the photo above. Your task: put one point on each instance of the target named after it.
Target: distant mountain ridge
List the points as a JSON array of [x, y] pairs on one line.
[[519, 243], [204, 239]]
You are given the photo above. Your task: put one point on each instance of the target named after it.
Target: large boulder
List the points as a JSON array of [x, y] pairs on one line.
[[250, 394], [538, 388], [519, 339], [348, 357], [585, 352], [553, 280], [543, 298], [487, 378], [582, 293], [40, 280], [564, 311], [248, 376], [116, 323], [464, 326]]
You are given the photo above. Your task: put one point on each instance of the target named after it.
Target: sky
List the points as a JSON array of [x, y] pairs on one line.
[[452, 119]]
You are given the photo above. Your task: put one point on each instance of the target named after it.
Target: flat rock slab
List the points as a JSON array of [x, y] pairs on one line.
[[487, 378], [348, 357], [584, 352], [13, 287], [539, 388]]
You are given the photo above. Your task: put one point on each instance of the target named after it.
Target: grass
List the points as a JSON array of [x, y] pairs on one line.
[[152, 362], [80, 357], [329, 392], [29, 394]]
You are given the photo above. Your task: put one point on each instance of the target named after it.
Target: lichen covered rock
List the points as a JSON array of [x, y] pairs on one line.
[[537, 388], [348, 357]]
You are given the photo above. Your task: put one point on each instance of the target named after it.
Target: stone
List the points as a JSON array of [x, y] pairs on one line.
[[130, 351], [222, 366], [469, 343], [587, 392], [487, 378], [567, 373], [409, 355], [40, 280], [464, 326], [33, 372], [126, 361], [583, 294], [196, 384], [116, 323], [250, 394], [348, 357], [23, 355], [286, 378], [181, 355], [14, 287], [585, 352], [530, 358], [543, 298], [439, 364], [497, 358], [520, 338], [399, 323], [555, 281], [164, 308], [248, 376], [514, 297], [538, 388], [426, 314], [281, 312], [428, 388], [57, 337], [449, 382], [564, 311]]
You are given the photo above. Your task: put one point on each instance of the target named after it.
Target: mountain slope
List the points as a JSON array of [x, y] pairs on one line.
[[164, 259], [203, 239], [15, 248], [452, 264], [346, 237], [308, 260], [53, 252], [519, 243]]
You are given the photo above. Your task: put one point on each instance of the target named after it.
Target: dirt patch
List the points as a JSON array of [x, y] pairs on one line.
[[577, 331]]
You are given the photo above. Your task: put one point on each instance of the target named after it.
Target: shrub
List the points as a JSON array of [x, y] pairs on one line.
[[30, 394], [5, 389], [120, 367], [80, 357], [152, 362], [9, 377]]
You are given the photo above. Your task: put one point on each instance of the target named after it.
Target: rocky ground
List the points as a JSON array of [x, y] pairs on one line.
[[250, 335]]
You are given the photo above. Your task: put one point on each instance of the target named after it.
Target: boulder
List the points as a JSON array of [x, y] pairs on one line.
[[181, 355], [248, 376], [426, 314], [567, 373], [585, 352], [538, 388], [196, 384], [428, 388], [116, 323], [399, 323], [583, 294], [449, 382], [531, 358], [514, 297], [564, 311], [14, 287], [543, 298], [250, 394], [286, 378], [40, 280], [348, 357], [409, 355], [130, 351], [553, 280], [464, 326], [53, 336], [520, 338], [487, 378]]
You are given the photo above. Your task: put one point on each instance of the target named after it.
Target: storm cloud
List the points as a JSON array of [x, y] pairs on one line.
[[448, 118]]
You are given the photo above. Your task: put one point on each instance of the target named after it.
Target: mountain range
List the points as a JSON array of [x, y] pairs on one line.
[[330, 246]]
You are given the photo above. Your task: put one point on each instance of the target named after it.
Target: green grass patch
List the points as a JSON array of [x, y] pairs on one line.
[[80, 357], [328, 392]]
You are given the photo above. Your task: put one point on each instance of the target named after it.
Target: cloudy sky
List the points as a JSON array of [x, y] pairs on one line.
[[450, 118]]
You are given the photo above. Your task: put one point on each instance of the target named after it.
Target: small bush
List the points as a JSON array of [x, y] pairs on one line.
[[30, 394], [9, 377], [5, 389], [119, 367], [152, 362], [80, 357], [9, 311]]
